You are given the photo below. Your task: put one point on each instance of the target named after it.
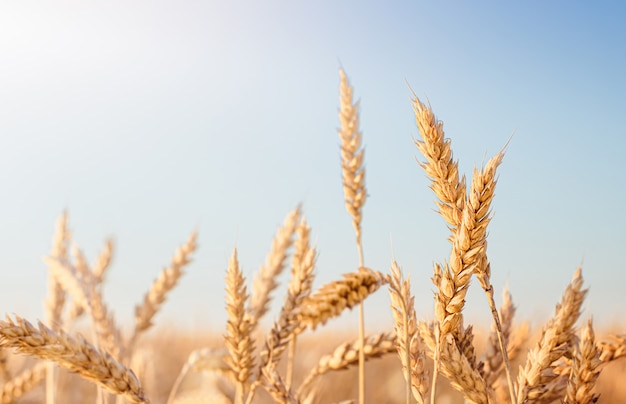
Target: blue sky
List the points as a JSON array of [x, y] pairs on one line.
[[146, 120]]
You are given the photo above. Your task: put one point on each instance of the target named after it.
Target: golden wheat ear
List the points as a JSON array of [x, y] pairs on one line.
[[23, 383], [167, 280], [332, 298], [345, 356], [238, 337], [538, 379], [585, 369], [409, 344], [265, 281], [75, 354]]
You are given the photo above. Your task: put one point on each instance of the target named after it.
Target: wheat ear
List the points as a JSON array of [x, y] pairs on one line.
[[354, 189], [479, 201], [302, 245], [332, 298], [23, 383], [75, 354], [265, 281], [536, 378], [98, 273], [81, 286], [167, 280], [347, 355], [585, 370], [284, 328], [408, 341], [613, 348], [462, 374], [238, 328]]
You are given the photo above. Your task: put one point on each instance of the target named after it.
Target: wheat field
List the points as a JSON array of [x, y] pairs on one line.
[[441, 359]]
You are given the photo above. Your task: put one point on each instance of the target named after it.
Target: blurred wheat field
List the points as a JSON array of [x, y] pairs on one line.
[[166, 351], [79, 353]]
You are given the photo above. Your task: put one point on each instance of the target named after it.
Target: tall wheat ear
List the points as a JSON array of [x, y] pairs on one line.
[[355, 193], [75, 354], [468, 218]]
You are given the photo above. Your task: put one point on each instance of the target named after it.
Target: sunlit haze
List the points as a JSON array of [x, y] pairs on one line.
[[146, 120]]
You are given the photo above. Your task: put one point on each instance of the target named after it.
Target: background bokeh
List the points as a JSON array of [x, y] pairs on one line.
[[148, 119]]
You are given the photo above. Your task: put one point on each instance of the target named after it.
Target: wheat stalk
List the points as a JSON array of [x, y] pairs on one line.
[[494, 363], [56, 296], [75, 354]]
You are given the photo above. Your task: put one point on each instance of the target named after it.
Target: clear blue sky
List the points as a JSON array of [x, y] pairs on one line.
[[147, 119]]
